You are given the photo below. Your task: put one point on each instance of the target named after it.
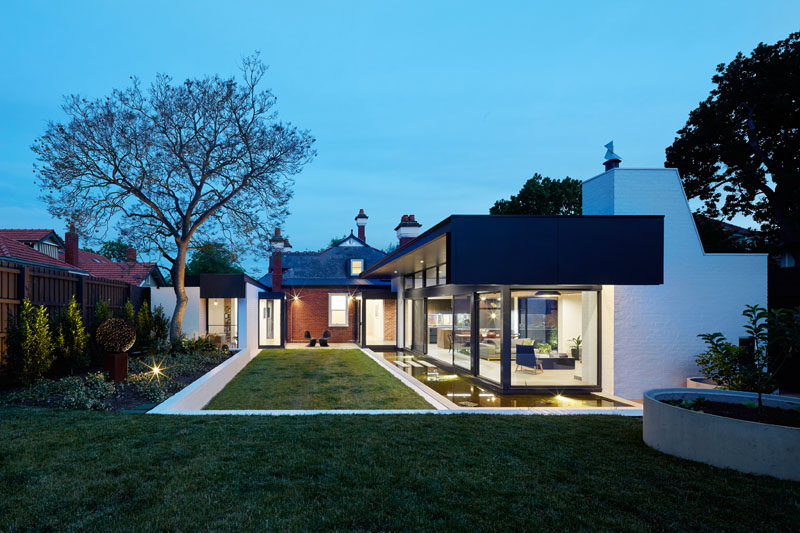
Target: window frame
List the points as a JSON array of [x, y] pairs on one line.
[[346, 309], [351, 261]]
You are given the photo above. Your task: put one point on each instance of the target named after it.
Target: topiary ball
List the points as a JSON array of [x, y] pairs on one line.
[[115, 335]]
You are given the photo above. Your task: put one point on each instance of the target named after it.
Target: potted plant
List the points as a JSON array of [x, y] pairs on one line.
[[576, 347], [116, 336]]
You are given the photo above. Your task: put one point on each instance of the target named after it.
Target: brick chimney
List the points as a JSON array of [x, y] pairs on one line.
[[130, 254], [361, 221], [71, 243], [279, 244], [408, 229]]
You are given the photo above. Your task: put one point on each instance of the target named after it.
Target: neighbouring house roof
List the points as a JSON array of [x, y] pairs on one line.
[[101, 266], [12, 248], [329, 267]]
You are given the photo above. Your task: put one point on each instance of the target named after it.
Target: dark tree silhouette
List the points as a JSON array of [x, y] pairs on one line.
[[543, 196], [213, 258], [739, 152], [206, 159]]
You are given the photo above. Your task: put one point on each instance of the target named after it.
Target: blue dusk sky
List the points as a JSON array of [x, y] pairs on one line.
[[430, 108]]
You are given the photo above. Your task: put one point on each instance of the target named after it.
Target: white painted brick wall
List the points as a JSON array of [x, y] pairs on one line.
[[655, 327]]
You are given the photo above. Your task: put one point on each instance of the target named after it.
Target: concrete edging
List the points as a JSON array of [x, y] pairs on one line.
[[742, 445], [197, 395]]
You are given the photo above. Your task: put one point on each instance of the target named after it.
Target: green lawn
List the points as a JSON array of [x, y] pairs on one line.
[[111, 471], [316, 379]]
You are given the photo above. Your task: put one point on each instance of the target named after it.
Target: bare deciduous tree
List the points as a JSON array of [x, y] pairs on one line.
[[205, 159]]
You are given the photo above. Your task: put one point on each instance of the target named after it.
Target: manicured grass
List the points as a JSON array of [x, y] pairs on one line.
[[316, 379], [111, 471]]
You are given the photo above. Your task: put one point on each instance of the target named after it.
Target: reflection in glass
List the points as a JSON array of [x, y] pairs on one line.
[[462, 314], [490, 332]]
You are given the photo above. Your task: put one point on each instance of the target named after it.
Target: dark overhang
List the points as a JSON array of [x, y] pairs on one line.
[[519, 249], [222, 285]]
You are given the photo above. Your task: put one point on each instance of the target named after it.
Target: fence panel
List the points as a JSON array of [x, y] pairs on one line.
[[54, 289]]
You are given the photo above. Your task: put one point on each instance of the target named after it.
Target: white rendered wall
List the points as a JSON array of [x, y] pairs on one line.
[[165, 297], [248, 317], [400, 314], [656, 326]]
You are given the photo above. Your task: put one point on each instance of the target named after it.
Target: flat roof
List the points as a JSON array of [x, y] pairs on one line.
[[529, 249]]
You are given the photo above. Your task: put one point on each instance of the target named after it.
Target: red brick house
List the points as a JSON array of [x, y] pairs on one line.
[[324, 290], [43, 247]]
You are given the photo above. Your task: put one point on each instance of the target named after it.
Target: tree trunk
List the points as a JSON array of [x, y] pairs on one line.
[[178, 273]]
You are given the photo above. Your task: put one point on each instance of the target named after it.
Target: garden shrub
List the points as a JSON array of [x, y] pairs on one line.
[[115, 335], [30, 344], [71, 339], [151, 328], [90, 392], [128, 313], [102, 312]]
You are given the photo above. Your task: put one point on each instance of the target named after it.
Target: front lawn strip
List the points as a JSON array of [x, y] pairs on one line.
[[315, 379]]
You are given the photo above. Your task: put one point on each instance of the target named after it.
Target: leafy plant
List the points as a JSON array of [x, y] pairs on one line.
[[71, 338], [116, 335], [775, 336], [576, 342], [30, 344], [102, 312], [128, 312], [90, 392], [543, 347]]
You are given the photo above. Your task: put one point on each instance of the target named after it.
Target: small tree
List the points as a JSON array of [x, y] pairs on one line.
[[128, 313], [775, 337], [102, 312], [175, 163], [71, 338], [30, 345]]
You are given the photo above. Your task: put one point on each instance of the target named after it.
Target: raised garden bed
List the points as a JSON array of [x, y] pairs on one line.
[[697, 425]]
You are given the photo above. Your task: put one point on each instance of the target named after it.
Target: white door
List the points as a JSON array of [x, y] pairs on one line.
[[373, 315], [269, 323]]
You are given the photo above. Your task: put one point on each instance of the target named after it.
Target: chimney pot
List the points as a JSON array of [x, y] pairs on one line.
[[408, 229], [361, 222], [130, 254]]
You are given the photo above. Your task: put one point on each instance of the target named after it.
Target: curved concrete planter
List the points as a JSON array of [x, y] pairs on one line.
[[700, 383], [721, 441]]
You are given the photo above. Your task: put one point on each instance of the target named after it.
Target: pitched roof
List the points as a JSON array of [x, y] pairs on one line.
[[328, 267], [99, 266], [13, 249], [29, 234]]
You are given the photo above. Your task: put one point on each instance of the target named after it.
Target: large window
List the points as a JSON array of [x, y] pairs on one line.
[[462, 317], [554, 338], [490, 335], [337, 309], [222, 316]]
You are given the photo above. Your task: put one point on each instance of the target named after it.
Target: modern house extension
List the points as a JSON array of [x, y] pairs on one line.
[[505, 298]]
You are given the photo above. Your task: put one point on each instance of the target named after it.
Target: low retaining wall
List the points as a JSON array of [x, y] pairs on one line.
[[200, 392], [721, 441]]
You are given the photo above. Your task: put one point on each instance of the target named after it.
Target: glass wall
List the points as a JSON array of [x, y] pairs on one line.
[[553, 338], [420, 328], [407, 323], [440, 329], [462, 317], [223, 321], [490, 335]]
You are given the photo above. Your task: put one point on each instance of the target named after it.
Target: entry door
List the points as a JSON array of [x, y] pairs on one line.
[[373, 316], [269, 322]]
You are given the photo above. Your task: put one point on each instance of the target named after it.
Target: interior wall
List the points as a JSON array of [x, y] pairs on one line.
[[570, 317]]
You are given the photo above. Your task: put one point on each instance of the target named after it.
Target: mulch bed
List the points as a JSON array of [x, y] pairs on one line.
[[766, 415]]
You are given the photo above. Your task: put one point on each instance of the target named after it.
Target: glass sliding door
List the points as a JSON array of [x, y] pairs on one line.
[[462, 320], [408, 320], [269, 322], [420, 328], [379, 321], [490, 335], [440, 329]]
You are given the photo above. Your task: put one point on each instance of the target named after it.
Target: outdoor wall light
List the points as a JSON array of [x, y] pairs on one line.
[[296, 298]]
